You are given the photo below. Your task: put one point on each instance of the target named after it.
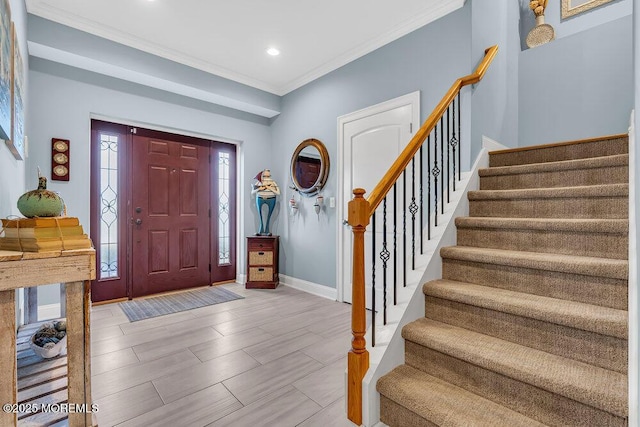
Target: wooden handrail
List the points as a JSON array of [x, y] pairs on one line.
[[360, 211], [396, 169]]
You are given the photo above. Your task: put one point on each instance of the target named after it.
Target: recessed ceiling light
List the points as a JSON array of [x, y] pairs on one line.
[[273, 51]]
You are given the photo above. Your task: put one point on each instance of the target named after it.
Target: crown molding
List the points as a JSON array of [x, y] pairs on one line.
[[67, 58], [436, 11], [43, 10]]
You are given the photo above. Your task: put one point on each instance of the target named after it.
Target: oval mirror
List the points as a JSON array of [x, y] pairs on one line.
[[310, 167]]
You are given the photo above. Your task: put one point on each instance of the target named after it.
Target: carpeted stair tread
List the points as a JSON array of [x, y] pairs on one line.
[[563, 165], [580, 237], [582, 225], [592, 318], [589, 266], [445, 404], [531, 314], [597, 387], [591, 191], [586, 148]]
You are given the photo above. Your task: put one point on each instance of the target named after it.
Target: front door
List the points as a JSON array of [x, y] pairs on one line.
[[371, 141], [163, 211], [170, 201]]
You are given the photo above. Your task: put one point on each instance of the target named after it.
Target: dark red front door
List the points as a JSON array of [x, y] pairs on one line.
[[170, 202], [163, 211]]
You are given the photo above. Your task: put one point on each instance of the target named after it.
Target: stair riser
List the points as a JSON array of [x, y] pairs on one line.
[[395, 415], [544, 406], [567, 178], [602, 291], [600, 350], [571, 208], [563, 152], [603, 245]]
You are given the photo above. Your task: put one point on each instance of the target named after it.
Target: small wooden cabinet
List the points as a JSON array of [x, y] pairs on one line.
[[262, 262]]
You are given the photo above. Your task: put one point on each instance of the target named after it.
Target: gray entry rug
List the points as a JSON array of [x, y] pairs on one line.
[[146, 308]]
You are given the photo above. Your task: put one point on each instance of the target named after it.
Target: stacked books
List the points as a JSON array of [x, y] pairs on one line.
[[43, 234]]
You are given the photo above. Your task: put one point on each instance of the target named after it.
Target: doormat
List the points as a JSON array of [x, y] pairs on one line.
[[146, 308]]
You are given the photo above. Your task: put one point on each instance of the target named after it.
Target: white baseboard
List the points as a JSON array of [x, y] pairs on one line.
[[309, 287], [242, 279]]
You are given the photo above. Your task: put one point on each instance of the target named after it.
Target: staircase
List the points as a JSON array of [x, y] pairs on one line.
[[528, 326]]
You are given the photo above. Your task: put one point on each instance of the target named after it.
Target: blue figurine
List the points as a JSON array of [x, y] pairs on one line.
[[266, 190]]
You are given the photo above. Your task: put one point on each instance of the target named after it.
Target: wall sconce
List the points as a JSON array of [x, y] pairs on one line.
[[293, 206], [317, 206]]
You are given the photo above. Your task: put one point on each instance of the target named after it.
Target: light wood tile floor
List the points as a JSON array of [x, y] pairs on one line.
[[275, 358]]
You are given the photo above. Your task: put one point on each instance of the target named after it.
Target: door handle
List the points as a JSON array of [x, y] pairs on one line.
[[345, 222], [138, 221]]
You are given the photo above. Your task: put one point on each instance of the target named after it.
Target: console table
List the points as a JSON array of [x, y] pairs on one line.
[[76, 269]]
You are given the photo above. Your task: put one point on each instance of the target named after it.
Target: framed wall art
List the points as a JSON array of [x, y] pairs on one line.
[[574, 7], [6, 62], [60, 159], [17, 101]]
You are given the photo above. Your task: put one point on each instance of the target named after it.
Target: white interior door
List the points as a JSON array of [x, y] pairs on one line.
[[370, 141]]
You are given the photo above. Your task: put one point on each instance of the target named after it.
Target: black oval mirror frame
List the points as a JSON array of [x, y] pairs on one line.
[[310, 167]]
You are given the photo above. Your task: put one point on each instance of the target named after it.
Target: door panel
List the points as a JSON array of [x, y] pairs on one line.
[[371, 141], [170, 199]]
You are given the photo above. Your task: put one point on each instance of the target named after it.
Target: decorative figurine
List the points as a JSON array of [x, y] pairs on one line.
[[266, 190], [40, 202]]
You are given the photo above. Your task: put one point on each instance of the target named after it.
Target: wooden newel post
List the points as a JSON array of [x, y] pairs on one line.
[[358, 358]]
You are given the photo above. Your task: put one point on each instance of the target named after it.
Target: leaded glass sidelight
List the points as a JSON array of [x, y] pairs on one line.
[[108, 206], [224, 226]]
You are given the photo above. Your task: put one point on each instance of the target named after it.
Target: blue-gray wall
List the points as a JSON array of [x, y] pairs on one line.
[[12, 170], [429, 60], [494, 104], [62, 103], [601, 15], [534, 96], [578, 86]]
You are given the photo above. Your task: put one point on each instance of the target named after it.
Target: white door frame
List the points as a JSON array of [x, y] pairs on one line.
[[412, 99]]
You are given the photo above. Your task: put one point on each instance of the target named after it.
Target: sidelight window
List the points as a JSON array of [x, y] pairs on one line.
[[108, 206], [224, 226]]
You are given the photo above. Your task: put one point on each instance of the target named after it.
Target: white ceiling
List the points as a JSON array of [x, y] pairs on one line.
[[229, 38]]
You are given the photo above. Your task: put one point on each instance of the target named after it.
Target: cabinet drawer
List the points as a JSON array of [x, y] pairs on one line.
[[261, 244], [260, 274], [260, 258]]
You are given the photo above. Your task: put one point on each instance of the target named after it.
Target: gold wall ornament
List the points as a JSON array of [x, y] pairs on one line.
[[542, 33]]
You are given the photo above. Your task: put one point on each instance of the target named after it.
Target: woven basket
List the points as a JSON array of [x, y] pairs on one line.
[[260, 274], [261, 258]]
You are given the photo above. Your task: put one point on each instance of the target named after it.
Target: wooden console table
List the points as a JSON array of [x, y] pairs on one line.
[[76, 269]]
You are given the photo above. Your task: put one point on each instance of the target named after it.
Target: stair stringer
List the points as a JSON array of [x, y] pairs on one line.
[[389, 350], [634, 299]]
